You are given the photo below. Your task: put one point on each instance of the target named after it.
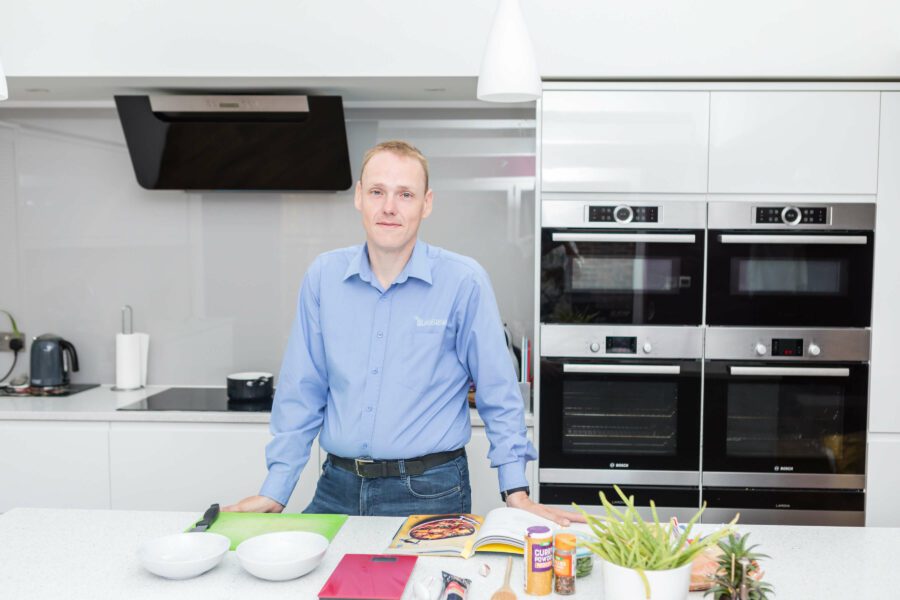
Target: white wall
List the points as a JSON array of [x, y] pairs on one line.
[[332, 38]]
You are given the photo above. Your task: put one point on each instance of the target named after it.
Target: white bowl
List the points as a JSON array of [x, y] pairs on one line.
[[183, 555], [282, 555]]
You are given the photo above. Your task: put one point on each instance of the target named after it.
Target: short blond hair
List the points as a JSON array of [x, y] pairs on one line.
[[400, 148]]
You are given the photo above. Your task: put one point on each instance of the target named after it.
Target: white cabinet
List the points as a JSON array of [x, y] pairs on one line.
[[54, 464], [483, 478], [883, 483], [617, 141], [188, 466], [793, 142]]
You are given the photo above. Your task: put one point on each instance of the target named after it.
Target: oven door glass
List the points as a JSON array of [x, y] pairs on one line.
[[620, 415], [774, 418], [636, 277], [791, 280]]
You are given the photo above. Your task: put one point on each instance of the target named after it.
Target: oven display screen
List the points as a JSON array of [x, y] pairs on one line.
[[788, 276], [787, 347], [617, 274], [621, 345]]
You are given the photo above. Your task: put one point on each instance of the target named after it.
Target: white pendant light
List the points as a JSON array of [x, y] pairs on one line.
[[509, 70], [4, 92]]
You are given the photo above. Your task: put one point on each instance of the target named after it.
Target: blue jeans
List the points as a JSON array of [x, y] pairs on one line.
[[440, 490]]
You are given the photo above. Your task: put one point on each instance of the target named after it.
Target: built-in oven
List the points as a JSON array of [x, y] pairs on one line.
[[776, 265], [621, 263], [784, 424], [620, 405]]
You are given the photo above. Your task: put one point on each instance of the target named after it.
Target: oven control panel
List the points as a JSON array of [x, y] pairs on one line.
[[623, 214], [787, 347], [791, 215]]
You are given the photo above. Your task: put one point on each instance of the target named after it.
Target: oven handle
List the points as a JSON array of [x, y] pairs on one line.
[[792, 371], [623, 369], [734, 238], [659, 238]]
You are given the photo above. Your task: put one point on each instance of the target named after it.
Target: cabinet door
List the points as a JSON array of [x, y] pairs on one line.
[[793, 142], [54, 464], [883, 483], [483, 478], [624, 141], [188, 466]]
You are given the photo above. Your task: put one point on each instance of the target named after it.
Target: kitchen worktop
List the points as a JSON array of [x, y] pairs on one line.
[[91, 554], [100, 404]]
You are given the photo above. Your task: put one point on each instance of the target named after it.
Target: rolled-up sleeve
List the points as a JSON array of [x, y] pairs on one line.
[[482, 348], [299, 406]]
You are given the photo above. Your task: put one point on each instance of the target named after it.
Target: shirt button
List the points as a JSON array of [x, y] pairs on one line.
[[365, 445], [374, 371], [368, 409], [379, 334]]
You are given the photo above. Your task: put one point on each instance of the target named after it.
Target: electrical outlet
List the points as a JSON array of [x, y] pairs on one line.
[[8, 336]]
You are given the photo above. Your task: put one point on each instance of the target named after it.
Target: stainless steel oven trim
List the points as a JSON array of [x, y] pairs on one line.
[[771, 516], [643, 238], [565, 210], [784, 480], [619, 477], [835, 344], [622, 369], [859, 216], [681, 513], [831, 240], [790, 371], [576, 341]]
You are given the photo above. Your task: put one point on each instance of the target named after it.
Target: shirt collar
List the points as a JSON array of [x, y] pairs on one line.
[[418, 265]]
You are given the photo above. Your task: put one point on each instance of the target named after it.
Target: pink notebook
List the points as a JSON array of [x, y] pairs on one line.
[[369, 577]]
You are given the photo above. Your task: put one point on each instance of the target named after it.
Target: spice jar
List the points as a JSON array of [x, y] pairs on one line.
[[564, 564], [538, 561], [584, 561]]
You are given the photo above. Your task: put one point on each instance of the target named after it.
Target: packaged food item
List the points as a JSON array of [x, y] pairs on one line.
[[584, 561], [454, 588], [564, 564], [538, 561]]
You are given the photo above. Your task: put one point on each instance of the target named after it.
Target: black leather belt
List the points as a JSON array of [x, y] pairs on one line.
[[366, 467]]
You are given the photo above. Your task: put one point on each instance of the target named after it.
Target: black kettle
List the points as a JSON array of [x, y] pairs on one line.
[[50, 366]]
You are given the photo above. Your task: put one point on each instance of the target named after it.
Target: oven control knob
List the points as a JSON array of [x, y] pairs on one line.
[[814, 349], [623, 214], [648, 348], [791, 215], [595, 347], [761, 349]]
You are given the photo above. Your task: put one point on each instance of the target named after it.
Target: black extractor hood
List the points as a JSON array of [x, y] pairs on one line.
[[277, 143]]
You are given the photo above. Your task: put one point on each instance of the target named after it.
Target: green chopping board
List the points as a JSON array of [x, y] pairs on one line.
[[239, 526]]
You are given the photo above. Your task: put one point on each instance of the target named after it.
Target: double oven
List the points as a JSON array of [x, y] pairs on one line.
[[706, 352], [621, 346]]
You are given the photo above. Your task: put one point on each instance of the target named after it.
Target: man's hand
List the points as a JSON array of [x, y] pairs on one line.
[[557, 515], [256, 504]]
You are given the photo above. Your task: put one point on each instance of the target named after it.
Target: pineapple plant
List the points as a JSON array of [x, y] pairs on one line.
[[738, 576]]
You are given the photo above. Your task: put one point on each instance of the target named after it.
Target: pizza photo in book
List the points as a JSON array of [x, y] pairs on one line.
[[501, 530]]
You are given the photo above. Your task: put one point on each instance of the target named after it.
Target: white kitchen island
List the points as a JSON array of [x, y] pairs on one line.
[[92, 555]]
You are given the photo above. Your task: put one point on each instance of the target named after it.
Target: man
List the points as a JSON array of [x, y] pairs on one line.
[[386, 338]]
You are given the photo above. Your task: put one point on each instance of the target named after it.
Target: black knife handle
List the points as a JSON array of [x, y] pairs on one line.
[[209, 517]]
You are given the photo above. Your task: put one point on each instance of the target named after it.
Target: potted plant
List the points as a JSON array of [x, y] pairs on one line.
[[738, 576], [644, 560]]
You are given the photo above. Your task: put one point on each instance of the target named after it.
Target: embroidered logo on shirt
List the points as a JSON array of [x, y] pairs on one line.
[[430, 322]]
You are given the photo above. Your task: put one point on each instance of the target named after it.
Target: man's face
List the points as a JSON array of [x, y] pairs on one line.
[[393, 200]]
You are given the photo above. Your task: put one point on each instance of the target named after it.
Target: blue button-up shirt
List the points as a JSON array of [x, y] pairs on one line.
[[384, 374]]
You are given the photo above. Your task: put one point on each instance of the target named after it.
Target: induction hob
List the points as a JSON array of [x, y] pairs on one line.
[[198, 399]]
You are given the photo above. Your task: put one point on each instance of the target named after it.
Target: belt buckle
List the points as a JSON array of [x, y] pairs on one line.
[[359, 461]]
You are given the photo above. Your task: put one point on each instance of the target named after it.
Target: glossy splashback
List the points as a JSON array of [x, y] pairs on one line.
[[213, 277]]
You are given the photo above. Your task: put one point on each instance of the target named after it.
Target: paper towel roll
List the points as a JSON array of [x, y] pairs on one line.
[[131, 360]]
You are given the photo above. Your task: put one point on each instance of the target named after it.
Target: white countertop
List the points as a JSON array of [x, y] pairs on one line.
[[91, 554], [100, 404]]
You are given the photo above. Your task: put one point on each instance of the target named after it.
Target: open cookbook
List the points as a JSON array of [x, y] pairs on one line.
[[502, 530]]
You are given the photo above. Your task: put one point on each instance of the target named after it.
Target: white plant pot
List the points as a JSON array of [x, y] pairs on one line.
[[620, 583]]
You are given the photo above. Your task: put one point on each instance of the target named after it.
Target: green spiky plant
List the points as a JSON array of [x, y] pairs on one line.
[[737, 575], [623, 538]]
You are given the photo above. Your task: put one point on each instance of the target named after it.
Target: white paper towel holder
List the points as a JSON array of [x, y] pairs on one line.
[[127, 330]]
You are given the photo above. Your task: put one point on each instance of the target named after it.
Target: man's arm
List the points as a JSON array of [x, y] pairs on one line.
[[481, 347], [299, 406]]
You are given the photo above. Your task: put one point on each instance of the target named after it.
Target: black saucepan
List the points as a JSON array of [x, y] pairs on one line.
[[250, 386]]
